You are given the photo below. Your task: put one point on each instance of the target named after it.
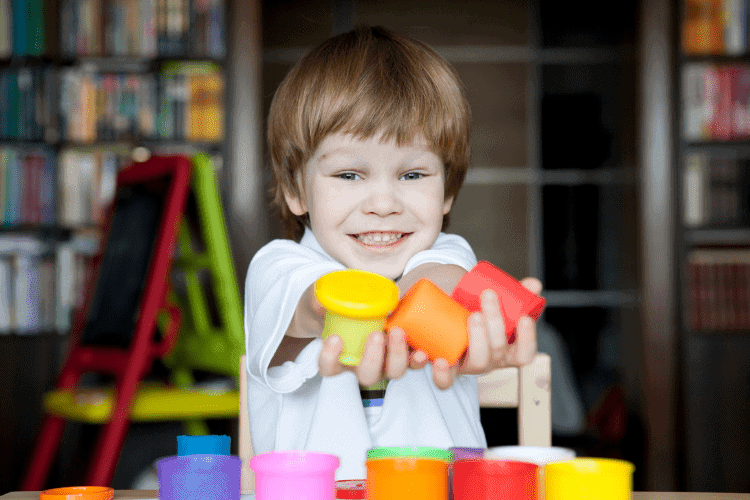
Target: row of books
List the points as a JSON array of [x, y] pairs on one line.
[[41, 287], [716, 191], [27, 187], [143, 28], [715, 27], [28, 103], [172, 105], [71, 189], [183, 102], [22, 30], [718, 290], [134, 28], [715, 102]]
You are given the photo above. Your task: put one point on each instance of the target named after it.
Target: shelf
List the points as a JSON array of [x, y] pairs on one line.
[[714, 58], [591, 298], [492, 54], [716, 144], [729, 236], [124, 143], [482, 176]]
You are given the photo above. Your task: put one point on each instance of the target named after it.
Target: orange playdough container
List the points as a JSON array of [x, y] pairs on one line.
[[407, 477], [433, 322], [78, 493]]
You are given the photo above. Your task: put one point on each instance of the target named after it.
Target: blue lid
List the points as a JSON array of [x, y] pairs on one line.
[[203, 445]]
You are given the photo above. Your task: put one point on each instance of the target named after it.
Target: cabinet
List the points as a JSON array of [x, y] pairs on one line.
[[712, 242], [552, 188]]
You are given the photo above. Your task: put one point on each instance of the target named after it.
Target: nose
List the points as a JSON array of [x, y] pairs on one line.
[[382, 199]]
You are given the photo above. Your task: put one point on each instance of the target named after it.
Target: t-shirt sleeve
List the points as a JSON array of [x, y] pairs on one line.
[[278, 275], [447, 249]]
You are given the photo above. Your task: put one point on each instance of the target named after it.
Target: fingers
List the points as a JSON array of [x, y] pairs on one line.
[[494, 323], [533, 285], [370, 368], [397, 354], [524, 349], [328, 359], [478, 356], [443, 374], [418, 360]]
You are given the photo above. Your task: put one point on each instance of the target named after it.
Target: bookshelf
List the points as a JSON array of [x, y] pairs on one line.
[[86, 87], [552, 88], [712, 241]]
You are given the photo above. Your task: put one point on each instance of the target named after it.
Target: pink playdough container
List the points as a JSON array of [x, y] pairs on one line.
[[298, 475]]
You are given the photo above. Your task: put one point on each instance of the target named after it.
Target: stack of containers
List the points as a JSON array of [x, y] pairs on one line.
[[202, 470]]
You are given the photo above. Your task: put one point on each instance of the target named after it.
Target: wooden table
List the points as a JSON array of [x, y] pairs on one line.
[[641, 495]]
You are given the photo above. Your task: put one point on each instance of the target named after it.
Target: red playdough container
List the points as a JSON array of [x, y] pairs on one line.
[[515, 300], [479, 479], [432, 321], [351, 488]]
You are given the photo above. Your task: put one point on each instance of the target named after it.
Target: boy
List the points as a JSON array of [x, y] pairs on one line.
[[369, 141]]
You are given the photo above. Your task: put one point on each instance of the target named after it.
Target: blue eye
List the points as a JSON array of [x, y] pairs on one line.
[[412, 176], [349, 176]]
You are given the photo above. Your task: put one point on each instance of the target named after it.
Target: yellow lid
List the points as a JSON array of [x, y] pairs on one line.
[[356, 293]]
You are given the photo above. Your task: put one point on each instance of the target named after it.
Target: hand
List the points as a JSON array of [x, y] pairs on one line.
[[488, 345], [385, 355]]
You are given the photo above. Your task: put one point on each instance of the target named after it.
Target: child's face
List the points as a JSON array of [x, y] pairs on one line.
[[373, 205]]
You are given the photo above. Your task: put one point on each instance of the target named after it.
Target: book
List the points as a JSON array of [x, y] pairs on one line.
[[703, 27], [6, 29]]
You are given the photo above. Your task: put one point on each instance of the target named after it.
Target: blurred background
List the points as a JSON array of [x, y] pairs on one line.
[[609, 149]]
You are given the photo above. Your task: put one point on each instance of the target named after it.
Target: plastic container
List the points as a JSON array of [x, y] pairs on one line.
[[78, 493], [203, 445], [199, 477], [302, 475], [515, 300], [461, 453], [407, 473], [433, 322], [351, 488], [357, 303], [480, 479], [589, 479], [539, 455]]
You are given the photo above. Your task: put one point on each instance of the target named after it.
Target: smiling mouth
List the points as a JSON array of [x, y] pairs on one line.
[[379, 239]]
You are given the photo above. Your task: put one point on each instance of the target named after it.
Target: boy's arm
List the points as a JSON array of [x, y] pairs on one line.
[[445, 276], [307, 325]]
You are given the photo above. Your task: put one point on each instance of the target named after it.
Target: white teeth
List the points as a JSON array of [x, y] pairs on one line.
[[379, 239]]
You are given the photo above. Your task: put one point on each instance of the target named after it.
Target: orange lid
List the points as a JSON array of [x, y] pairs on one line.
[[356, 293], [78, 493]]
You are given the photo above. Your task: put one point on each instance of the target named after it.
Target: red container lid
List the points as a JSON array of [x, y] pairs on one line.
[[515, 300], [351, 488]]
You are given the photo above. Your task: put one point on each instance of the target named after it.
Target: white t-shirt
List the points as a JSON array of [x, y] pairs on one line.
[[291, 407]]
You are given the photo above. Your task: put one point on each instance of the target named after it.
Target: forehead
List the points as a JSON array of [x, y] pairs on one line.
[[348, 144]]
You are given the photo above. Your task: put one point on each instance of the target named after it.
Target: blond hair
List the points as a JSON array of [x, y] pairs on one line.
[[367, 82]]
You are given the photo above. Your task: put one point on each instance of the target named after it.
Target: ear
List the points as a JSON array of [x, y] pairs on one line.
[[447, 204], [296, 203]]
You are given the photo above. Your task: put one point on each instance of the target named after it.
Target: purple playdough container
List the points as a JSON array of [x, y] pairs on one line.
[[199, 477], [295, 475]]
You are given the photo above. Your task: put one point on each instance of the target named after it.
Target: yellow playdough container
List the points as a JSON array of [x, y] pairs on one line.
[[589, 479], [357, 303]]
